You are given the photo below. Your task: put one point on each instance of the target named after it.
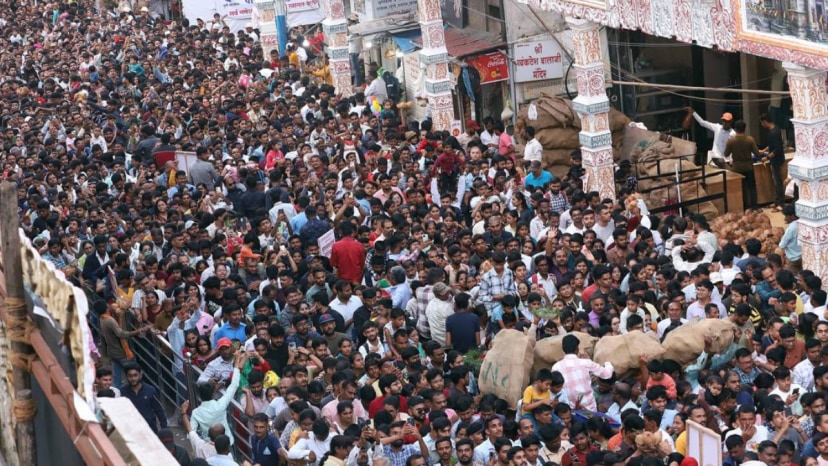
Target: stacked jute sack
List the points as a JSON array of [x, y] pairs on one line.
[[645, 157], [556, 128], [516, 357], [739, 227]]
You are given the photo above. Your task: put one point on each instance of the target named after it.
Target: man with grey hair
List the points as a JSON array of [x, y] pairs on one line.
[[399, 290], [424, 295], [438, 310]]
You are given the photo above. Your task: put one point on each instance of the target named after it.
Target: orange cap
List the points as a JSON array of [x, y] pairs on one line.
[[727, 116]]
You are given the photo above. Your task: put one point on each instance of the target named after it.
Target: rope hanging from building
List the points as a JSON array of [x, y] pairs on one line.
[[700, 88]]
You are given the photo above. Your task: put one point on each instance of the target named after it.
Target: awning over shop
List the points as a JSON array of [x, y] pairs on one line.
[[405, 40], [464, 42]]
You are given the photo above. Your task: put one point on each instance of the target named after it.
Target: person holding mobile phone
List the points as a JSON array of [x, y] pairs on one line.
[[576, 456], [787, 391]]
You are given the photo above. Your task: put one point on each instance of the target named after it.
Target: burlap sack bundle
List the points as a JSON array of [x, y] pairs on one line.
[[557, 127], [560, 139], [624, 351], [506, 370], [556, 161], [549, 351], [686, 343]]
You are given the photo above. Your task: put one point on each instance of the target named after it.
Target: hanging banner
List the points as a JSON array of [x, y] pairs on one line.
[[383, 8], [538, 60], [305, 17], [240, 12], [296, 6], [492, 67], [236, 13], [304, 12]]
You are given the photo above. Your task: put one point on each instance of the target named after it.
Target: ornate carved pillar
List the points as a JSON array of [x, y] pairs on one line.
[[335, 29], [810, 165], [435, 58], [593, 106], [266, 18]]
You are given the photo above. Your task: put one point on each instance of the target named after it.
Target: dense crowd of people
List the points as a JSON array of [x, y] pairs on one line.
[[338, 271]]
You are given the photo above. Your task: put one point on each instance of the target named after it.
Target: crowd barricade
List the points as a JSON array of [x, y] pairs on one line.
[[160, 365]]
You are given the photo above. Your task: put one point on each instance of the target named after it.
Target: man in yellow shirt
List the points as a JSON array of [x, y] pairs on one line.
[[697, 415]]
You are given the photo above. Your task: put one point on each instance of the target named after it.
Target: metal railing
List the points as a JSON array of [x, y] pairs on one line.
[[160, 365], [698, 174]]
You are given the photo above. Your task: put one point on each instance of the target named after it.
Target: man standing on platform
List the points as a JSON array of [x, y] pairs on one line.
[[742, 147], [776, 157], [722, 132]]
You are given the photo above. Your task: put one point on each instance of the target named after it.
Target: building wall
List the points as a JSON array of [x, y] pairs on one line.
[[707, 23], [525, 23], [479, 15]]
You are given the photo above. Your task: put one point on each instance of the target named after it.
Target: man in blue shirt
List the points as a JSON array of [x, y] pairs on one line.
[[234, 328], [265, 446], [144, 397], [537, 176], [301, 217], [303, 333]]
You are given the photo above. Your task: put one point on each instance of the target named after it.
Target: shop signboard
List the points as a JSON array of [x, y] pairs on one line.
[[383, 8], [537, 61], [493, 67]]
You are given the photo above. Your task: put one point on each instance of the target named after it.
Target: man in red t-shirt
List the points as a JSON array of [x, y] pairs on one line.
[[348, 254], [390, 385]]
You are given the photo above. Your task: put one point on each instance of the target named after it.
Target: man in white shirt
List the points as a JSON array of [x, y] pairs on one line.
[[787, 391], [376, 88], [248, 29], [346, 303], [722, 131], [533, 150], [315, 446], [728, 269], [224, 453], [816, 305], [493, 428], [748, 429], [622, 397], [438, 310], [576, 216], [674, 319], [803, 373], [487, 137], [604, 225]]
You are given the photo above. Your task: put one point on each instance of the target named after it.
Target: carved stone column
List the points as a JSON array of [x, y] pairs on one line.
[[266, 18], [592, 106], [810, 165], [435, 58], [335, 29]]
